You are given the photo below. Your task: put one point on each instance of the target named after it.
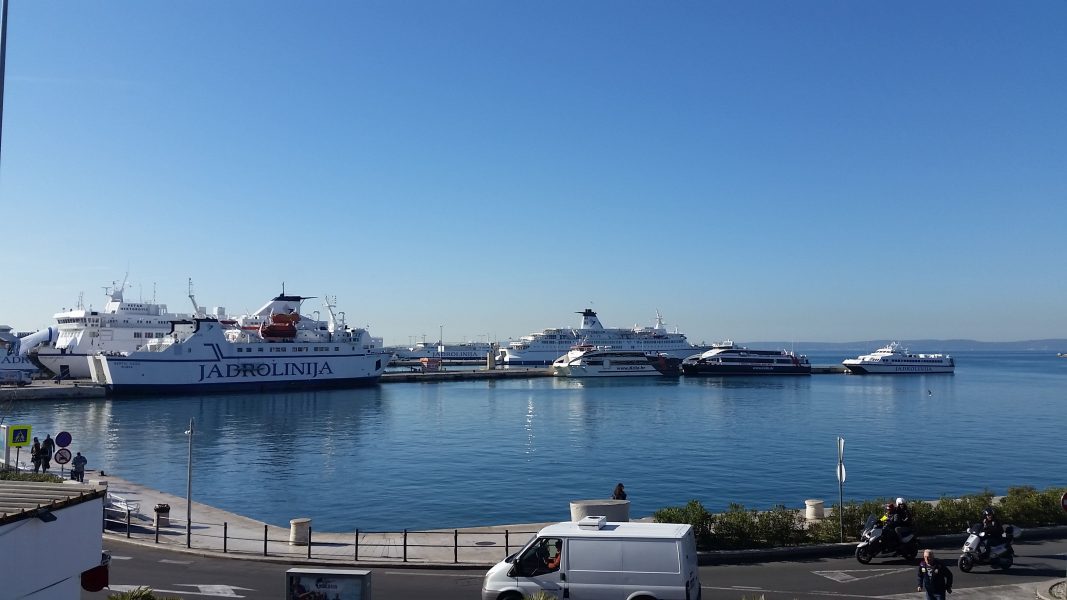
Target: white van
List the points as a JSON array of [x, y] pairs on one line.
[[593, 559]]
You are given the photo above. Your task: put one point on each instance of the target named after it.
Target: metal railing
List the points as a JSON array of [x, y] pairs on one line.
[[467, 546]]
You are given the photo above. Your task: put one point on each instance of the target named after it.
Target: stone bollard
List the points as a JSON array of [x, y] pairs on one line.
[[299, 532], [813, 509], [615, 511]]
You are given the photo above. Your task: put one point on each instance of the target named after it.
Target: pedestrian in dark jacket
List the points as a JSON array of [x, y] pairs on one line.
[[934, 577], [619, 493], [48, 448]]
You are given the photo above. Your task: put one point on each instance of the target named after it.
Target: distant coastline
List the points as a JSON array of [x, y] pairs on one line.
[[1053, 345]]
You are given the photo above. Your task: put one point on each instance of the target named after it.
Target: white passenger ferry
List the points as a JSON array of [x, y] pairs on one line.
[[895, 359], [274, 348], [545, 347], [600, 361], [120, 326]]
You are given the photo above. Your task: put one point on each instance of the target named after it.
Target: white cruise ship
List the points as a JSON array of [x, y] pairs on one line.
[[895, 359], [545, 347], [274, 348], [120, 327]]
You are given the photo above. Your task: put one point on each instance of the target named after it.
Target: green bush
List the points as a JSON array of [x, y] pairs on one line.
[[29, 476], [693, 513], [739, 528], [1027, 507], [735, 528]]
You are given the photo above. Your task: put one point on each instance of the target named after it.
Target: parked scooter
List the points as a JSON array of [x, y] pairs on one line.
[[874, 545], [975, 552]]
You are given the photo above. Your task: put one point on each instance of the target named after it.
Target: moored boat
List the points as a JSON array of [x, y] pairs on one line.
[[207, 354], [600, 361], [895, 359], [729, 359], [447, 352]]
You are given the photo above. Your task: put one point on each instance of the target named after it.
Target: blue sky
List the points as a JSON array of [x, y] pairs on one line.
[[823, 171]]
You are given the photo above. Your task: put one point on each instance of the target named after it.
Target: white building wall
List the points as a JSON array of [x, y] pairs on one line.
[[44, 561]]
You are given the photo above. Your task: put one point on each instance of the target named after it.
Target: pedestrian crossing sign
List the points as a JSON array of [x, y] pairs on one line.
[[18, 435]]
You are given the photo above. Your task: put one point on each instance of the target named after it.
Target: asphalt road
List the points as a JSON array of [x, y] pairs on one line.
[[190, 577]]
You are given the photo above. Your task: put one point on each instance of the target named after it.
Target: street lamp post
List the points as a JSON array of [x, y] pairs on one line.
[[189, 490]]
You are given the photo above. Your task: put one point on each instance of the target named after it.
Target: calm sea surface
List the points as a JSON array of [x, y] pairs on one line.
[[476, 453]]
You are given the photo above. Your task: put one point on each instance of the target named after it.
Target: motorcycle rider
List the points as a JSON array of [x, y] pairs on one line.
[[891, 526], [993, 529]]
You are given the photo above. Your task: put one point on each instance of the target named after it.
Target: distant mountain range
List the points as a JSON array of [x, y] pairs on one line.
[[1054, 345]]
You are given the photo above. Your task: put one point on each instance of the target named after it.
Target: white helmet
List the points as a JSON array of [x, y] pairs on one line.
[[900, 502]]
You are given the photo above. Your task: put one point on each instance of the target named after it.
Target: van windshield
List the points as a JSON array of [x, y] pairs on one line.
[[542, 555]]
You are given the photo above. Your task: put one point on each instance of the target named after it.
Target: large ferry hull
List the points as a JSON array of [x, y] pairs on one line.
[[122, 375], [67, 365], [874, 369], [697, 370], [578, 372]]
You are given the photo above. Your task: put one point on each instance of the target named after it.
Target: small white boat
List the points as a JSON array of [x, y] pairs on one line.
[[895, 359], [603, 361]]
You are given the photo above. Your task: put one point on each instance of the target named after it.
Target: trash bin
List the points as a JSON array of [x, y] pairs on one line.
[[162, 515]]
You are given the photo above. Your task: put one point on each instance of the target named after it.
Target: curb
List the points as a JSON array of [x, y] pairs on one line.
[[1044, 593]]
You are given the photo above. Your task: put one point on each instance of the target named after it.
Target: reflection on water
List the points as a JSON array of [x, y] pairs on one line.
[[516, 451]]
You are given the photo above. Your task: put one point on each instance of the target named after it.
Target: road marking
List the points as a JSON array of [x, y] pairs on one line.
[[217, 591], [846, 576], [795, 592], [175, 562], [113, 557], [416, 574]]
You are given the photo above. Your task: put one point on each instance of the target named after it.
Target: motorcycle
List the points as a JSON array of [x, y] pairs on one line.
[[1000, 556], [874, 545]]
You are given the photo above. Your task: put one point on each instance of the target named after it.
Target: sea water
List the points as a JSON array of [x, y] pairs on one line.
[[472, 453]]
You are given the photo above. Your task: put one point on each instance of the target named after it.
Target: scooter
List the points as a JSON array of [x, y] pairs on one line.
[[873, 545], [1000, 556]]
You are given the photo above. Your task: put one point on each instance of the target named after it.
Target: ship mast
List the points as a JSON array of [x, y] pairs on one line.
[[3, 67]]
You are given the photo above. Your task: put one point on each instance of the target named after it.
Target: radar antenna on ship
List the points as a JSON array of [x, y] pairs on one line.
[[329, 303], [198, 311]]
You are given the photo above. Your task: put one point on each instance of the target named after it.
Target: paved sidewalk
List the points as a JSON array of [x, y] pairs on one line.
[[218, 531]]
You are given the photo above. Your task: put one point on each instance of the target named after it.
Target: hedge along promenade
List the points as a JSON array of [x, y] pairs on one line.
[[740, 528]]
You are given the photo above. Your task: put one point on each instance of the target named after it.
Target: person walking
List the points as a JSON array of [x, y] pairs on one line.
[[77, 468], [934, 577], [35, 455], [48, 447], [619, 493]]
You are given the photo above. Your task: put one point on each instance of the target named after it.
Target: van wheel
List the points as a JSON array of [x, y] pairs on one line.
[[509, 596]]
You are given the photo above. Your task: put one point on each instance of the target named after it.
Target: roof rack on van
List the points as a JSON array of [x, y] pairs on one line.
[[592, 522]]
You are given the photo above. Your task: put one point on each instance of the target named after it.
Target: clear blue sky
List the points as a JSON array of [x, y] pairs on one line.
[[823, 171]]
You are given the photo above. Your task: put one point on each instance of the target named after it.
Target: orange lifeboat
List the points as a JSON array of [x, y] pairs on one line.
[[281, 327]]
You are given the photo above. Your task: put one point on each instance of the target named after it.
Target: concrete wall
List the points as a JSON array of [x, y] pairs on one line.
[[44, 561]]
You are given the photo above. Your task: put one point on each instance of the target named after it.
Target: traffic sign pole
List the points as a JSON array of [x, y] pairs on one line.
[[841, 484]]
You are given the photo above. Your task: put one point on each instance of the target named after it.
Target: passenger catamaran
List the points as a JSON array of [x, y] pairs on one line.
[[120, 327], [274, 348], [729, 359], [544, 347], [894, 359]]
